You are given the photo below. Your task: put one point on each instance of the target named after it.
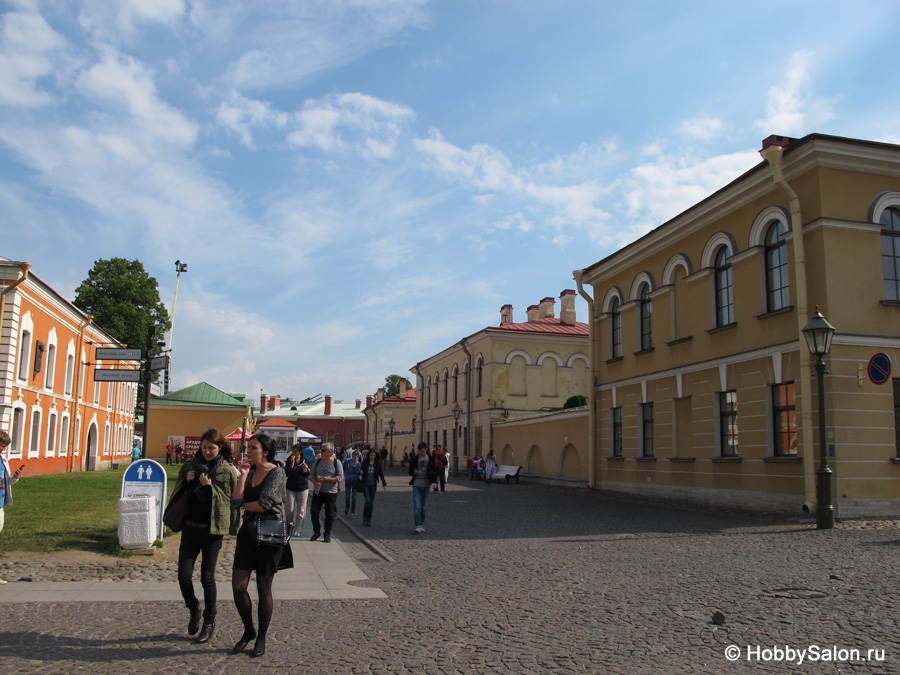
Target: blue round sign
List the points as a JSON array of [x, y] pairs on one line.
[[879, 368]]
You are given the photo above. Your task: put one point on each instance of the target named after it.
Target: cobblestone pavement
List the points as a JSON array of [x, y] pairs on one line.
[[531, 579]]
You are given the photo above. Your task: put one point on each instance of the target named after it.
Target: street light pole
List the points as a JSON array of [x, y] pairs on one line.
[[179, 268], [391, 425], [457, 411], [818, 333]]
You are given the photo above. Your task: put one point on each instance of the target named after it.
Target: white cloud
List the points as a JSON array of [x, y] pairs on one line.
[[124, 81], [791, 108], [368, 125], [701, 128], [239, 114], [28, 44], [110, 20]]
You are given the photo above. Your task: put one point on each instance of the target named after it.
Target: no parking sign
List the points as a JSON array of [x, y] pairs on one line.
[[879, 369]]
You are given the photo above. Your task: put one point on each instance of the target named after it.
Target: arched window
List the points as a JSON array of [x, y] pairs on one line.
[[479, 370], [446, 385], [724, 288], [890, 252], [428, 393], [455, 384], [646, 318], [615, 315], [777, 296]]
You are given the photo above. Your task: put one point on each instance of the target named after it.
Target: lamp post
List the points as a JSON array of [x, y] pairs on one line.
[[818, 333], [391, 425], [457, 411], [179, 268]]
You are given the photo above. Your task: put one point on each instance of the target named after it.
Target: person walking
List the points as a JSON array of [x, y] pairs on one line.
[[327, 475], [352, 466], [423, 472], [490, 465], [209, 480], [370, 473], [8, 478], [297, 472], [261, 491], [440, 462]]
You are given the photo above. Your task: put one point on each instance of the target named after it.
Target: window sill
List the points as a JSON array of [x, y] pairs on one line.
[[682, 459], [615, 459], [895, 460], [646, 459], [727, 459], [614, 359], [719, 329], [891, 303], [792, 459], [679, 341], [644, 351], [775, 312]]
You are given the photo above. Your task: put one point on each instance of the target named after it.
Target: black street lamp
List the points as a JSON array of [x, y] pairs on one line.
[[819, 333], [391, 425], [457, 411]]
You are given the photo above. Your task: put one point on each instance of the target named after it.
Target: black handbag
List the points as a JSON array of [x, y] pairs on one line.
[[174, 515], [272, 532]]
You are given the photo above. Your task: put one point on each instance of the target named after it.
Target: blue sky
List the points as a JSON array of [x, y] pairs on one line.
[[356, 184]]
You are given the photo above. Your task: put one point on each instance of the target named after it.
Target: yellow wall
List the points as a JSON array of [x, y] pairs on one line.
[[165, 421]]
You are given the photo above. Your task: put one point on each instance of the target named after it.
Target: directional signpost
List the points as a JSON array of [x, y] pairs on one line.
[[105, 375], [147, 478], [117, 354]]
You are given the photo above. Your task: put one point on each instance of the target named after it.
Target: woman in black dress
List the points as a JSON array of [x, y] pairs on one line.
[[260, 490]]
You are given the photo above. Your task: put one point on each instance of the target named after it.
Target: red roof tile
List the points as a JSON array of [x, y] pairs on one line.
[[547, 326]]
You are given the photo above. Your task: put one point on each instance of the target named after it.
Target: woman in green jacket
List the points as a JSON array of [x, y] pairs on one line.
[[209, 479]]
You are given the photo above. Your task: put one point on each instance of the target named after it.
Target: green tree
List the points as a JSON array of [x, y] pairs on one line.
[[124, 301], [392, 385], [576, 401]]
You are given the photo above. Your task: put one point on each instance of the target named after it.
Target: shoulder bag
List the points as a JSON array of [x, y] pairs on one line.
[[271, 532], [174, 515]]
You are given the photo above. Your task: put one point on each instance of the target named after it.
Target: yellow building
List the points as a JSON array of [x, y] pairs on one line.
[[401, 438], [505, 372], [705, 386], [182, 416]]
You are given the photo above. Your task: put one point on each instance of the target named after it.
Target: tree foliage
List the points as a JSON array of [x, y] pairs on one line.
[[576, 401], [392, 385], [124, 301]]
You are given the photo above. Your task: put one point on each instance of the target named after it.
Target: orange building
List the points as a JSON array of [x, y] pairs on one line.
[[59, 418]]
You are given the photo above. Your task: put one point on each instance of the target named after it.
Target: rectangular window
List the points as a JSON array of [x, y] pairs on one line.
[[49, 377], [617, 432], [64, 437], [18, 432], [647, 427], [34, 447], [728, 429], [24, 355], [51, 436], [784, 420], [896, 384]]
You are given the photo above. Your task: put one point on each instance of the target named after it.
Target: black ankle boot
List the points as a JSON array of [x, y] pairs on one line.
[[244, 641], [206, 632], [194, 623], [259, 648]]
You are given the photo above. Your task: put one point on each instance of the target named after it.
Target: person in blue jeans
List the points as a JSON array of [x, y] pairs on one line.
[[352, 467], [424, 472], [370, 473]]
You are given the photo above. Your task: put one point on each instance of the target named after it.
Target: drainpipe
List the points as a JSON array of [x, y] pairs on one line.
[[468, 446], [595, 378], [421, 395], [773, 154], [78, 395]]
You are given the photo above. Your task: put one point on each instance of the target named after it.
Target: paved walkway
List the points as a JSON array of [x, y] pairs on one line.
[[527, 579]]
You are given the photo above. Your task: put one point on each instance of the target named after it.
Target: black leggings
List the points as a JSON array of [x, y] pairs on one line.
[[240, 582], [196, 542]]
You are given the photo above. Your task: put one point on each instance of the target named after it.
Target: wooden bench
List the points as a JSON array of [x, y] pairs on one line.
[[507, 471]]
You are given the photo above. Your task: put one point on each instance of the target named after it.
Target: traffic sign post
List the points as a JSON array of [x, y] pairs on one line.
[[104, 375], [147, 478], [117, 354]]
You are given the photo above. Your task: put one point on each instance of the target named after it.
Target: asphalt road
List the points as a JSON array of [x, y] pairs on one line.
[[531, 579]]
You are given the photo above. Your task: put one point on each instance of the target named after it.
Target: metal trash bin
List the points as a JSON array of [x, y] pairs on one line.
[[138, 526]]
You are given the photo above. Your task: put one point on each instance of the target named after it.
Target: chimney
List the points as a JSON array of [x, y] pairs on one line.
[[327, 404], [369, 401], [275, 403], [532, 312], [567, 307], [506, 314], [547, 308], [263, 403], [358, 404], [401, 392], [379, 395]]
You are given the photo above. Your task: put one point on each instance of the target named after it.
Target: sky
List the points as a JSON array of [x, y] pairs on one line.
[[355, 185]]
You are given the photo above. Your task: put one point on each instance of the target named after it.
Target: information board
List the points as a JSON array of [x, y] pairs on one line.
[[147, 478]]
